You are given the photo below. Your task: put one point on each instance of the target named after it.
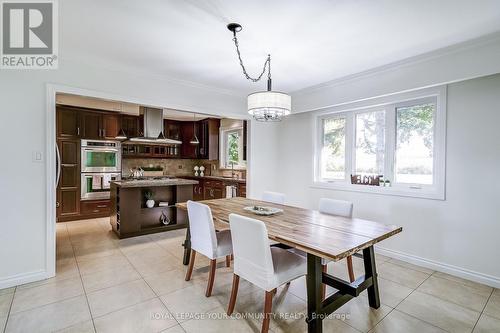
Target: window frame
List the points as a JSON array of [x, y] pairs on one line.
[[223, 148], [389, 103]]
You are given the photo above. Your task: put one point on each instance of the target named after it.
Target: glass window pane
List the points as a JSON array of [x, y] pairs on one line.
[[333, 151], [415, 144], [370, 143], [232, 148]]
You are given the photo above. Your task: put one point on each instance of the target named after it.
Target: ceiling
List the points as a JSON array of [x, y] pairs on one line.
[[310, 41]]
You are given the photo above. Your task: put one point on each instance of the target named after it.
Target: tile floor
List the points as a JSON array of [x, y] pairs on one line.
[[104, 284]]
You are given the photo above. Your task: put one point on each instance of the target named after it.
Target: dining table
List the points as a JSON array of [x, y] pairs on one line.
[[320, 236]]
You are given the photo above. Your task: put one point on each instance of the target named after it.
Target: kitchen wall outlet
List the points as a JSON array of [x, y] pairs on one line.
[[37, 156]]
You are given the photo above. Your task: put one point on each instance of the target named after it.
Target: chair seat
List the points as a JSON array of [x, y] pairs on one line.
[[287, 266], [224, 244]]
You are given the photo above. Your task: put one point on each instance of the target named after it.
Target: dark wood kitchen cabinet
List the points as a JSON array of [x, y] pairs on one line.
[[110, 124], [91, 125], [130, 125], [172, 129], [208, 134], [188, 150], [198, 191], [213, 189], [67, 123], [68, 188]]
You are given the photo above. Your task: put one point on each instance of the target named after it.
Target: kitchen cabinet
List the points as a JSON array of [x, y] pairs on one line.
[[208, 134], [198, 191], [213, 189], [68, 188], [172, 129], [68, 122], [188, 150], [110, 124], [242, 190], [91, 125], [130, 125]]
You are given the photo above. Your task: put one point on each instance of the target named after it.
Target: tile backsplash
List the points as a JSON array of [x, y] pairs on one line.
[[177, 167]]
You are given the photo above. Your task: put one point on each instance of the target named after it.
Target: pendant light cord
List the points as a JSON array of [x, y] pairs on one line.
[[267, 64]]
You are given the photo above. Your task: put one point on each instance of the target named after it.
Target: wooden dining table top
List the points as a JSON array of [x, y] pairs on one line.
[[327, 236]]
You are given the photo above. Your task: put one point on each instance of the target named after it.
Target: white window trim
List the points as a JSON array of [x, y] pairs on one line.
[[435, 191]]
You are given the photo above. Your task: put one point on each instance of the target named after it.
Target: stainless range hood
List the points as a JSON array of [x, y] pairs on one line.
[[153, 129]]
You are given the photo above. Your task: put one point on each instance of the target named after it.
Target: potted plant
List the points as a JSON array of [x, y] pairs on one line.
[[150, 203]]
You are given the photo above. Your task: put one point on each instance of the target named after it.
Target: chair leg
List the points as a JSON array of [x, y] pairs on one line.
[[350, 269], [234, 293], [228, 261], [323, 286], [211, 277], [189, 272], [267, 311]]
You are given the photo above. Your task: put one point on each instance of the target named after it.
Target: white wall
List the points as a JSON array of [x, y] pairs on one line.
[[23, 130], [458, 235]]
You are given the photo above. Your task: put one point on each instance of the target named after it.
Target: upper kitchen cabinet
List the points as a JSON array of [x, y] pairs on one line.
[[110, 124], [91, 125], [68, 123], [208, 134], [172, 129], [130, 125], [188, 150]]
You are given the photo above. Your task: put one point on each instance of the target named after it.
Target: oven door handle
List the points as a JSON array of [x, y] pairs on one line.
[[102, 150]]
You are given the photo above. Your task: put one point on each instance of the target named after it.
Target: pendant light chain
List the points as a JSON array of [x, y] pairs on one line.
[[267, 64]]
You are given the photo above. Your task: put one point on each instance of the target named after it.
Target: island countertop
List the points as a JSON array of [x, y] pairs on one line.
[[134, 183]]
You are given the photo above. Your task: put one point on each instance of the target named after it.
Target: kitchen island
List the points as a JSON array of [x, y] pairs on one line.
[[131, 217]]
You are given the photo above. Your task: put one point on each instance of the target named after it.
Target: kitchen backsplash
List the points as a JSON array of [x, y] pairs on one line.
[[178, 167]]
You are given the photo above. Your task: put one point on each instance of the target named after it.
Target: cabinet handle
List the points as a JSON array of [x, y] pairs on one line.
[[78, 130], [104, 132], [101, 206]]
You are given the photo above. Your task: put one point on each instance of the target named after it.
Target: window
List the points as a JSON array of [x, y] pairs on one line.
[[370, 143], [415, 144], [402, 140], [333, 152], [232, 148]]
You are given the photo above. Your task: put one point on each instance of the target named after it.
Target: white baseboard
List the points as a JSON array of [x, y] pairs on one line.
[[492, 281], [15, 280]]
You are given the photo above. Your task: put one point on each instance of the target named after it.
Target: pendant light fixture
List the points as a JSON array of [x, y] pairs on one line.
[[194, 139], [263, 105]]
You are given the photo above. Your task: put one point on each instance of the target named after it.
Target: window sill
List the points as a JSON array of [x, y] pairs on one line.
[[422, 193]]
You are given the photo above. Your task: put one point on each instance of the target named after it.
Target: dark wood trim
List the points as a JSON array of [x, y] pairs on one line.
[[228, 261]]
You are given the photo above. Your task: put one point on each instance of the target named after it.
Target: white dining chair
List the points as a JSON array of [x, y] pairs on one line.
[[255, 261], [274, 197], [206, 241], [338, 208]]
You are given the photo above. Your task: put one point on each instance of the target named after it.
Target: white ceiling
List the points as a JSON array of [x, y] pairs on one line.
[[310, 41]]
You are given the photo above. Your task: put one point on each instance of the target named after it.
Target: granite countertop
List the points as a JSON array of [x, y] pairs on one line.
[[226, 179], [153, 182]]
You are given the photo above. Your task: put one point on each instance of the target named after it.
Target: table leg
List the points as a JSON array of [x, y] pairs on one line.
[[314, 295], [187, 247], [371, 271]]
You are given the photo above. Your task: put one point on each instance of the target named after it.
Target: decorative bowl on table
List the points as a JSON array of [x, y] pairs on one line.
[[263, 210]]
